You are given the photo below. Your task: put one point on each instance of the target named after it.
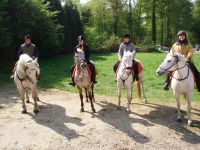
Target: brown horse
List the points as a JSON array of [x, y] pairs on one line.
[[82, 79]]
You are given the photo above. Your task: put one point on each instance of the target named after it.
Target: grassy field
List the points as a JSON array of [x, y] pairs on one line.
[[55, 74]]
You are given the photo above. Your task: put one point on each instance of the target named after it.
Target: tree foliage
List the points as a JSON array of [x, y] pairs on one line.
[[50, 25]]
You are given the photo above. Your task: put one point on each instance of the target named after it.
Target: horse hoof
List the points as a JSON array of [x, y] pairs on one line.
[[179, 120], [86, 101], [36, 111], [119, 108], [24, 111], [145, 101], [28, 101], [81, 110], [190, 123], [38, 99], [93, 110]]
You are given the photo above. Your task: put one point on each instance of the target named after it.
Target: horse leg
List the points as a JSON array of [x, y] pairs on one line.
[[189, 107], [138, 90], [35, 97], [81, 98], [177, 96], [91, 101], [129, 97], [22, 95], [86, 94], [27, 97], [37, 94], [93, 93], [142, 84], [119, 97]]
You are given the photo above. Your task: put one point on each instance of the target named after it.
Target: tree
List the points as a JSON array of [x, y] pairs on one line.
[[31, 17]]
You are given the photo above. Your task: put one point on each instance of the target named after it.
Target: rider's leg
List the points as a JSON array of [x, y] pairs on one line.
[[167, 82], [135, 68], [93, 75], [14, 69], [71, 73], [196, 74], [115, 67]]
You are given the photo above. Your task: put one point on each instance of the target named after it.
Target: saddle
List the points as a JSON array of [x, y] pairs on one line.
[[139, 64]]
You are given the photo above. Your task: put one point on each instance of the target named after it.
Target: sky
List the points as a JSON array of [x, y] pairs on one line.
[[84, 1]]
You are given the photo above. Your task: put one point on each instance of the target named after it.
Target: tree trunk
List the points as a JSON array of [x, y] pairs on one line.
[[154, 21]]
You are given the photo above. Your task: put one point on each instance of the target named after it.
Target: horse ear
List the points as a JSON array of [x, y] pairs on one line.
[[171, 52], [36, 59]]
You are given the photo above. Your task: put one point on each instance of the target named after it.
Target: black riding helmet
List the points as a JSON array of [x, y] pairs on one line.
[[81, 37], [127, 35], [182, 33], [28, 37]]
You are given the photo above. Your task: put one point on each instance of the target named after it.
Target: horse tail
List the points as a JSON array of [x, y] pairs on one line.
[[138, 90]]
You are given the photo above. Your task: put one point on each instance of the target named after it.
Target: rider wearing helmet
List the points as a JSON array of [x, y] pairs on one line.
[[84, 46], [183, 47], [28, 48], [127, 45]]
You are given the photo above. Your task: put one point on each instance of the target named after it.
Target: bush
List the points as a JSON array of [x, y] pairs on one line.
[[100, 43]]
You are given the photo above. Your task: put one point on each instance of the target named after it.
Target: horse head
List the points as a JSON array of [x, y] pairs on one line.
[[172, 62], [32, 70], [80, 58], [127, 61]]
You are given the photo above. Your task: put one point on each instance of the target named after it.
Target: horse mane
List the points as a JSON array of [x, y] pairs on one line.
[[23, 59]]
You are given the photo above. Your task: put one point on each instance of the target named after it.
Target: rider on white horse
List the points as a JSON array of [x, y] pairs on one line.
[[27, 48], [183, 47], [126, 46]]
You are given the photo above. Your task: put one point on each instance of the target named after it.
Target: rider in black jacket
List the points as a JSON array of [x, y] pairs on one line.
[[82, 45]]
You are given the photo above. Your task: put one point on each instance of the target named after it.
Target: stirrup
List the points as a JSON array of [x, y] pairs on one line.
[[166, 87], [73, 84], [94, 82]]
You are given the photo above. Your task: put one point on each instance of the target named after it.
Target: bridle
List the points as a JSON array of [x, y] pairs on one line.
[[177, 68], [24, 77], [127, 68]]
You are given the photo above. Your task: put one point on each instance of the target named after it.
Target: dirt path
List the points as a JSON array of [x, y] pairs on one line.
[[60, 125]]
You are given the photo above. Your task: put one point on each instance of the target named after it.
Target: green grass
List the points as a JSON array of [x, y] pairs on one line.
[[55, 74]]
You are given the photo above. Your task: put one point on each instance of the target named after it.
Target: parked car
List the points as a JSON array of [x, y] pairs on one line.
[[197, 47], [161, 48]]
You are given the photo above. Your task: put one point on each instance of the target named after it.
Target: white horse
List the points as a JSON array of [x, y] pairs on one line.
[[25, 78], [182, 82], [82, 78], [125, 79]]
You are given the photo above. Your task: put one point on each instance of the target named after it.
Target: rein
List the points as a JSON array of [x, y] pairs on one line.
[[129, 68], [177, 60], [185, 77], [23, 77]]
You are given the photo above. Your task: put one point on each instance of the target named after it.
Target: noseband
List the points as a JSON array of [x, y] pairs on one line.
[[22, 77], [177, 68]]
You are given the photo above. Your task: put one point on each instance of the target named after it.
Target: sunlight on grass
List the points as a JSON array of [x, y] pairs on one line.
[[55, 74]]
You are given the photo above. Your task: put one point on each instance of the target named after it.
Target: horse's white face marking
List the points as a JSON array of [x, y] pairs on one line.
[[127, 59], [80, 57]]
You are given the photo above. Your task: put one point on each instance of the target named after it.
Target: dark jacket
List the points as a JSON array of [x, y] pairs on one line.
[[31, 50], [86, 50]]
